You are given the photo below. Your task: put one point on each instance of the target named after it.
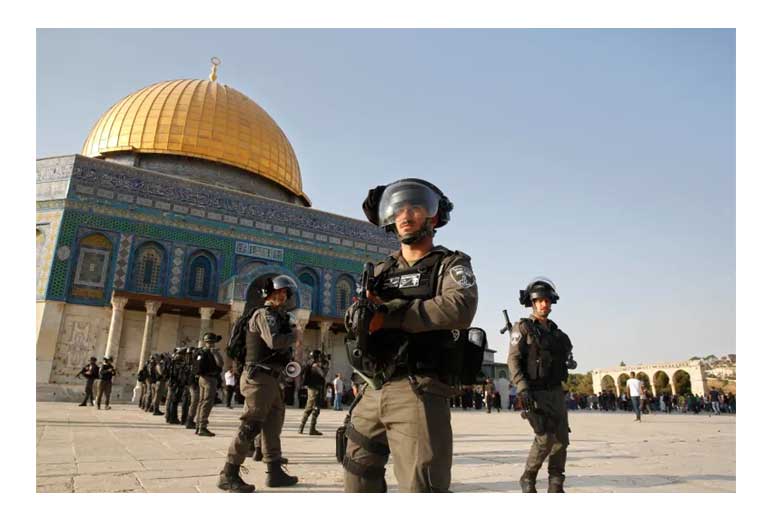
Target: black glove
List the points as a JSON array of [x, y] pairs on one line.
[[355, 314], [526, 400]]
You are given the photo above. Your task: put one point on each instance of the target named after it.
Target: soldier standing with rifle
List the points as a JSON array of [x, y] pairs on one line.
[[141, 379], [161, 368], [175, 386], [210, 364], [90, 372], [315, 380], [417, 304], [104, 388], [539, 357]]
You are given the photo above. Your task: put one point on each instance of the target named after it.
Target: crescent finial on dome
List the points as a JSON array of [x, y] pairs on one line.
[[214, 63]]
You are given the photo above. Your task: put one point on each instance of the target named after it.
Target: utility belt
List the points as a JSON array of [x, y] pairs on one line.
[[252, 369]]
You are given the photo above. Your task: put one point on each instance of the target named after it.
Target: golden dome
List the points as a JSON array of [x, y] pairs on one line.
[[202, 119]]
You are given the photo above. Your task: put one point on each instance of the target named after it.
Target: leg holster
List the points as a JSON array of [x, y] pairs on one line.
[[358, 469], [367, 443]]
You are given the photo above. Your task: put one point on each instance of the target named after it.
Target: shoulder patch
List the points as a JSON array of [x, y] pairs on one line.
[[463, 276], [515, 337]]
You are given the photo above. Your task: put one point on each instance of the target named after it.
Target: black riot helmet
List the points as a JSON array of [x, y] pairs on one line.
[[383, 203], [537, 288], [316, 355], [279, 282], [211, 337]]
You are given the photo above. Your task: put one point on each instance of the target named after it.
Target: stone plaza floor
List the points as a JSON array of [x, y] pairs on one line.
[[127, 450]]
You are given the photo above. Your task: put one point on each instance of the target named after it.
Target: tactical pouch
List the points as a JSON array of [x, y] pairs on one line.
[[537, 421], [464, 355], [341, 442]]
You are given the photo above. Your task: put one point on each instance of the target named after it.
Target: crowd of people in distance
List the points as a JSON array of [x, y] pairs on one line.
[[715, 402]]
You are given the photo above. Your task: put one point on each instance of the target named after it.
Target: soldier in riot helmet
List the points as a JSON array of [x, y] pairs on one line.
[[422, 295], [152, 379], [191, 393], [539, 357], [210, 363], [90, 372], [315, 380], [271, 333], [175, 386]]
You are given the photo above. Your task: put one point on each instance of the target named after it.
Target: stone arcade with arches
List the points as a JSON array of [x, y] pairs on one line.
[[674, 377], [184, 195]]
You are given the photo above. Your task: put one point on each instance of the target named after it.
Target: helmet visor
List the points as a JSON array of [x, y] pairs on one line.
[[398, 197], [286, 282], [541, 279]]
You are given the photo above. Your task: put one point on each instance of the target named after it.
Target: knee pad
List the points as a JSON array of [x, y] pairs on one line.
[[248, 431]]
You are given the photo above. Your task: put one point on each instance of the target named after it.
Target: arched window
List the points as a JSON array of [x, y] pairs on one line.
[[148, 269], [307, 278], [200, 276], [344, 294]]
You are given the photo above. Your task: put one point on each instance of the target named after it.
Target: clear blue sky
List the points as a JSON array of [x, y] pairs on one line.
[[603, 159]]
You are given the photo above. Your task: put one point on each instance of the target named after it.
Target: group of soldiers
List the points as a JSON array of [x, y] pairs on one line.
[[409, 341], [104, 374], [188, 377]]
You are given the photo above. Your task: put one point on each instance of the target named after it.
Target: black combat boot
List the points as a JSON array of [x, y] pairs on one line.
[[203, 431], [302, 425], [313, 430], [230, 480], [527, 482], [190, 425], [555, 484], [276, 477]]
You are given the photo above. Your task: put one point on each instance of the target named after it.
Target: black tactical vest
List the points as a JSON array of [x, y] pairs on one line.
[[416, 282], [313, 379], [545, 355], [259, 352], [420, 281]]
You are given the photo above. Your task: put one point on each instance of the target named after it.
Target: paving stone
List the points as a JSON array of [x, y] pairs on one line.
[[127, 450]]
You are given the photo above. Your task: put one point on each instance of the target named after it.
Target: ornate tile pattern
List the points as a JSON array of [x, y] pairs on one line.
[[177, 261], [53, 220], [121, 264]]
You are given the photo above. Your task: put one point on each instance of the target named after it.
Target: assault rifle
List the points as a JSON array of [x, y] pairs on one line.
[[357, 320], [363, 313]]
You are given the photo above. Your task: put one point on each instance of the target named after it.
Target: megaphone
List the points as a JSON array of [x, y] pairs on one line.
[[292, 370]]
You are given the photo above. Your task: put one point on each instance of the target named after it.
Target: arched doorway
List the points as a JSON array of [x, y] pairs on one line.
[[645, 379], [662, 383], [682, 384], [622, 382], [608, 384]]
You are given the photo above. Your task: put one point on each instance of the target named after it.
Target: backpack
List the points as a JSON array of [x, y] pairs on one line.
[[236, 346]]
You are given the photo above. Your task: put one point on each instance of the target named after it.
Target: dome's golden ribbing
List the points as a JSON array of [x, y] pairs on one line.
[[198, 118]]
